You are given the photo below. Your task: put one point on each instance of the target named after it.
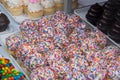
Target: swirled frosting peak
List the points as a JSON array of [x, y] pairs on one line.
[[35, 7], [47, 3]]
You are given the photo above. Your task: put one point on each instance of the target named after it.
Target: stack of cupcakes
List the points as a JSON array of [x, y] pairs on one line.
[[14, 7], [62, 47], [35, 8], [108, 20], [4, 22], [49, 6]]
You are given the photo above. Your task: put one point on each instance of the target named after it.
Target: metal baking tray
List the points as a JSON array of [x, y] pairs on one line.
[[12, 60], [82, 13], [22, 68], [3, 38]]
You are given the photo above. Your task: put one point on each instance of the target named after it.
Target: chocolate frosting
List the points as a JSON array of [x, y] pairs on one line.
[[114, 35], [4, 22], [95, 8], [94, 13], [114, 32]]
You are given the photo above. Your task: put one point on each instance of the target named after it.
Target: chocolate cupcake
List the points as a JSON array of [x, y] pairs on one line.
[[116, 26], [109, 6], [117, 16], [114, 32], [107, 19], [105, 22], [102, 28], [4, 22], [117, 2], [94, 13]]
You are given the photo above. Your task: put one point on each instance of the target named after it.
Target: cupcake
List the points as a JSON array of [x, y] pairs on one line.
[[110, 6], [29, 31], [4, 22], [114, 32], [105, 22], [49, 6], [107, 19], [74, 4], [35, 9], [12, 43], [59, 4], [15, 7], [94, 13], [95, 41]]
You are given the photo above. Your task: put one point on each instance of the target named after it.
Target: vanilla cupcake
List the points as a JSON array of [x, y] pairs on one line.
[[15, 7], [49, 6], [59, 4], [74, 4], [35, 9]]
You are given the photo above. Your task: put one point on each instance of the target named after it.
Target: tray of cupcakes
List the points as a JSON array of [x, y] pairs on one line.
[[32, 9], [28, 9], [104, 16], [9, 68], [64, 47]]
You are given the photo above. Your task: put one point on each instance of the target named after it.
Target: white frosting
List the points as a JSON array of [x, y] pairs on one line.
[[14, 3], [47, 3], [34, 7], [59, 1], [25, 2]]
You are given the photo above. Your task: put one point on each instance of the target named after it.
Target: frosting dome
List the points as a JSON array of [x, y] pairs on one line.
[[47, 3]]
